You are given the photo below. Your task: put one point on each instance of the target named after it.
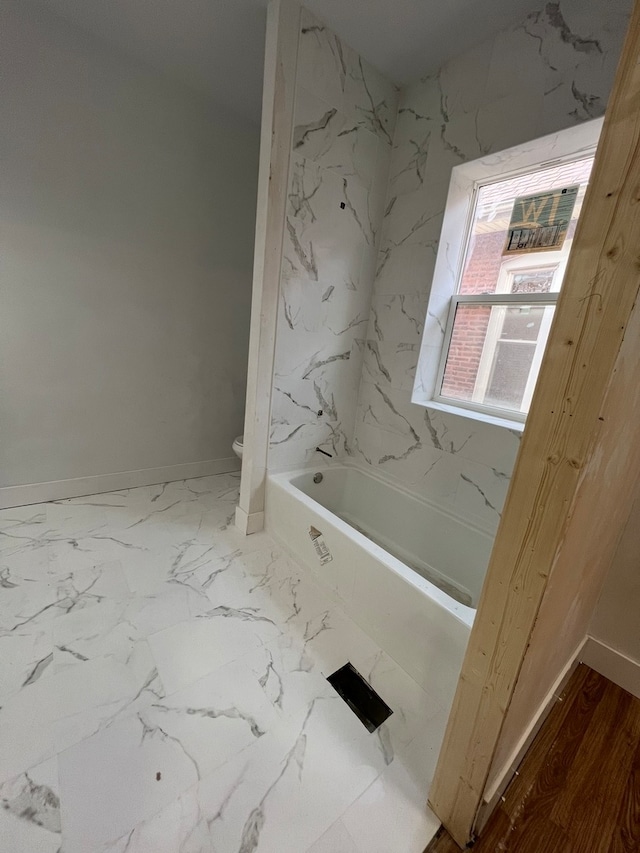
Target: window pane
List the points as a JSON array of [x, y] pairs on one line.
[[485, 268], [509, 374], [533, 280], [495, 353], [521, 323]]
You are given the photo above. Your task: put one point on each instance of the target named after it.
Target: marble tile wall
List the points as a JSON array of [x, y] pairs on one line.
[[553, 70], [344, 119]]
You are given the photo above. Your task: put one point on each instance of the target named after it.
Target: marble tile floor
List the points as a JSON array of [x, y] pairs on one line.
[[163, 688]]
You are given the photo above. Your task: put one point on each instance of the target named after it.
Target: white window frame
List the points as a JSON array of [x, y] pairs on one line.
[[514, 265], [491, 338], [502, 297], [565, 146]]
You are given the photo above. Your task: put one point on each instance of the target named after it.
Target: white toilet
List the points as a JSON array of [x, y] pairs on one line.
[[237, 445]]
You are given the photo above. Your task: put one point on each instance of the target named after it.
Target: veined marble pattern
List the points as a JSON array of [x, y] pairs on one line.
[[162, 688], [551, 71], [344, 118]]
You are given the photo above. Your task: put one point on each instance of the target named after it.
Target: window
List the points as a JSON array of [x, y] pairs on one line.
[[514, 244], [500, 317]]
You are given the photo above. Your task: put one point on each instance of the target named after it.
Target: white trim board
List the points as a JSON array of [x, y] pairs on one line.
[[249, 523], [34, 493], [612, 664], [280, 69]]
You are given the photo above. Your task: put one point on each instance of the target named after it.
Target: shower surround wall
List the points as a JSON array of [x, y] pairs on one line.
[[343, 125], [552, 71]]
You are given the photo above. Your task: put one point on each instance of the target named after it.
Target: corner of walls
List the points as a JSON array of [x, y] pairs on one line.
[[343, 123], [613, 647], [613, 664], [56, 490], [551, 71]]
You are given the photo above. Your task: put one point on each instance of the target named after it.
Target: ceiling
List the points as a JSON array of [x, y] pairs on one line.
[[217, 46]]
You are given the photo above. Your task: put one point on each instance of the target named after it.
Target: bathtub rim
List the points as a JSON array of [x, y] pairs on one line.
[[483, 525], [283, 479], [473, 521]]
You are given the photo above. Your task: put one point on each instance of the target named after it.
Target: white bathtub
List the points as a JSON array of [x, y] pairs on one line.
[[408, 572]]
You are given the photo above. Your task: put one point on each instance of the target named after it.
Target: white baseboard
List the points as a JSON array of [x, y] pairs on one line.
[[497, 788], [34, 493], [614, 665], [248, 523]]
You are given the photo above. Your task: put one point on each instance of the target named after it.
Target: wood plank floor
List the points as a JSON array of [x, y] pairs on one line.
[[578, 788]]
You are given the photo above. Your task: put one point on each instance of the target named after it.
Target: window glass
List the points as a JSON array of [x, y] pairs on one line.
[[496, 346], [533, 281], [495, 352], [484, 258]]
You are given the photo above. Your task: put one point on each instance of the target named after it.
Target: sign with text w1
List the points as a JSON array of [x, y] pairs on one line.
[[540, 222]]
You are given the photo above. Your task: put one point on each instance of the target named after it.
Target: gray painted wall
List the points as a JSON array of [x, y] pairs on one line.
[[127, 213], [615, 618]]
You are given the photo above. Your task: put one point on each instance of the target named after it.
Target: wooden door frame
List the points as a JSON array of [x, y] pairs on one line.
[[565, 446]]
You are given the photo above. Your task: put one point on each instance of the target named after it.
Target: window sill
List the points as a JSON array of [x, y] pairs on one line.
[[505, 423]]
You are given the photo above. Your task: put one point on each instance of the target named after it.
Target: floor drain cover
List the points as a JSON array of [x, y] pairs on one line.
[[360, 697]]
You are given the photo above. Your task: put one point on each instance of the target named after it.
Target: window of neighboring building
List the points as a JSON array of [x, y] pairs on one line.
[[513, 255]]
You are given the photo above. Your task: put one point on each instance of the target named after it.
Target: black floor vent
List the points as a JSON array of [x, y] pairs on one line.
[[360, 697]]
